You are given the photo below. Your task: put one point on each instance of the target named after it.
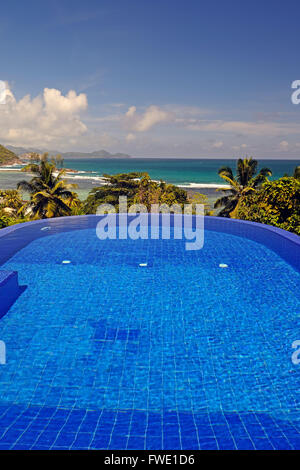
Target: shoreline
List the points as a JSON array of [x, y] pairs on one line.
[[78, 175]]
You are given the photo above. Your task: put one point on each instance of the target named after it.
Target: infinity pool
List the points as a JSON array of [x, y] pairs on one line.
[[103, 353]]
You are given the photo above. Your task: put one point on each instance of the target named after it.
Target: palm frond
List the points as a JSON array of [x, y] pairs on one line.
[[226, 170], [233, 183], [246, 169]]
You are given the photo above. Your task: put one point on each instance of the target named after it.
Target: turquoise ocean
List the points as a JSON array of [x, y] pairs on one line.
[[194, 174]]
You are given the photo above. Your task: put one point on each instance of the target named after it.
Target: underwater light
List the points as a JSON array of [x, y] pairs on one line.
[[222, 265]]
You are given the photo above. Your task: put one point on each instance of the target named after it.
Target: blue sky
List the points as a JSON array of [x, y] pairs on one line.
[[152, 78]]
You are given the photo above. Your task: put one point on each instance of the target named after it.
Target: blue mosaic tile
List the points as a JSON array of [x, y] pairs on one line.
[[104, 354]]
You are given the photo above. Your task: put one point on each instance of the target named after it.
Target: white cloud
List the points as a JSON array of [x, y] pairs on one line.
[[57, 103], [143, 122], [50, 118], [59, 121], [131, 112]]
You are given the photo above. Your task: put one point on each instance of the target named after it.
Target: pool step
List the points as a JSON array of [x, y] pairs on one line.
[[9, 290]]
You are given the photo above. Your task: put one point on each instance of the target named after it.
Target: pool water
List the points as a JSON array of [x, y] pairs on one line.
[[179, 353]]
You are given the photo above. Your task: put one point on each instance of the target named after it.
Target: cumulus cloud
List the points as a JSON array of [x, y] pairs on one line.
[[131, 112], [142, 122], [59, 121], [50, 118], [69, 104]]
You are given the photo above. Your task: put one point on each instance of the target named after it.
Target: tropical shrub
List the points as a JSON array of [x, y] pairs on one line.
[[150, 192], [138, 188], [122, 184], [10, 199], [4, 221], [276, 203], [246, 180], [198, 198]]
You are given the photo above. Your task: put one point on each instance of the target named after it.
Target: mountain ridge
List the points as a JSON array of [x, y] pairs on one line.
[[95, 154]]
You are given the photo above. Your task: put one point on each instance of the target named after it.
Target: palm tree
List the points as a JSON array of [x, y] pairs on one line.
[[246, 180], [50, 195], [122, 184]]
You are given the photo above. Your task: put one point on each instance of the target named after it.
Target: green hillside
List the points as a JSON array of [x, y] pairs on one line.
[[7, 157]]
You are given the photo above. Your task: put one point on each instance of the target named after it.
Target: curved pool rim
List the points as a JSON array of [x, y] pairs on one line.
[[285, 244]]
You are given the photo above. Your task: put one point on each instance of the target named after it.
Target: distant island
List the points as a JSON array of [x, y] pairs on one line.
[[19, 151]]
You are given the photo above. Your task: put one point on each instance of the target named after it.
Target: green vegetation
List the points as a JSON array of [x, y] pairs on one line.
[[276, 203], [150, 192], [50, 195], [297, 173], [139, 189], [10, 207], [123, 184], [7, 157], [57, 161], [10, 199], [251, 196], [246, 180], [199, 198]]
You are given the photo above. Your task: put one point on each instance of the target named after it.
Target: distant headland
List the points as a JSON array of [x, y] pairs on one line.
[[19, 151], [8, 157]]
